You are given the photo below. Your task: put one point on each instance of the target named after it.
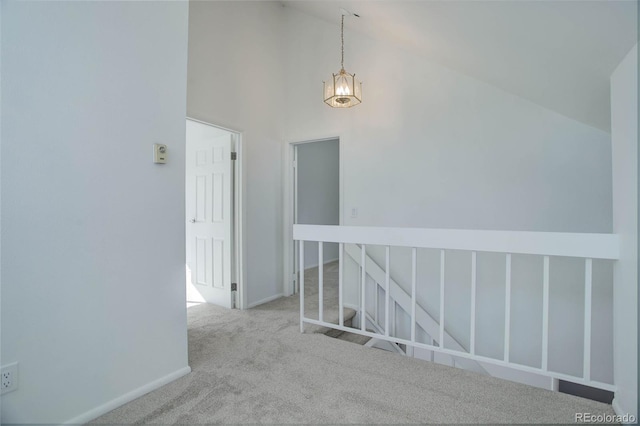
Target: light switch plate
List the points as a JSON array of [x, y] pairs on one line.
[[159, 153]]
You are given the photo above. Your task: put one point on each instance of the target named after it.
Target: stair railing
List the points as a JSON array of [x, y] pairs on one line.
[[403, 299], [546, 244]]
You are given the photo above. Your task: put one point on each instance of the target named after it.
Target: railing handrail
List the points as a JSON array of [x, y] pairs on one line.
[[545, 244], [584, 245]]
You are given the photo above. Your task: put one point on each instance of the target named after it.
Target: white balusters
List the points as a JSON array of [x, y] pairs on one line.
[[363, 300], [588, 273], [301, 269], [320, 282], [396, 297], [507, 307], [472, 335], [414, 279], [441, 337], [545, 314], [340, 273], [387, 290], [392, 314], [375, 302]]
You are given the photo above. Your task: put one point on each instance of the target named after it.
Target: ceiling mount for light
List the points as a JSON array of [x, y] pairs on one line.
[[342, 90]]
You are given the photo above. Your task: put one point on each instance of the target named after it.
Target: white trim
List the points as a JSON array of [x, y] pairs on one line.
[[240, 221], [402, 299], [454, 353], [340, 284], [288, 205], [538, 243], [294, 219], [596, 246], [219, 126], [128, 397], [288, 246], [239, 216], [265, 300], [620, 412], [616, 407], [315, 265], [301, 292]]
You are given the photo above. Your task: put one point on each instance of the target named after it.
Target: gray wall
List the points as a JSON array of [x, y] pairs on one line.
[[433, 148], [318, 195], [236, 81], [93, 300], [624, 129]]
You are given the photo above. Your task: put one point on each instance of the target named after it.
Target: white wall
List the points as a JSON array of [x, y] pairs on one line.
[[319, 193], [624, 140], [430, 147], [1, 359], [93, 299], [236, 81]]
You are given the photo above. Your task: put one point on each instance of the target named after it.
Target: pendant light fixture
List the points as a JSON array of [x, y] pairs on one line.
[[343, 89]]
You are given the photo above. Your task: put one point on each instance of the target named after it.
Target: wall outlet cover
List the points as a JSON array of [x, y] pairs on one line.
[[9, 378]]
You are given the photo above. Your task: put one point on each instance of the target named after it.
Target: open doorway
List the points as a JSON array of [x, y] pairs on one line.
[[316, 199], [212, 211]]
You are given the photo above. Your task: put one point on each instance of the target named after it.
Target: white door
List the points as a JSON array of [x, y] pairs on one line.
[[208, 211]]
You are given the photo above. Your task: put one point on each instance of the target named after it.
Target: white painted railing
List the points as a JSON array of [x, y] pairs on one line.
[[545, 244], [381, 278]]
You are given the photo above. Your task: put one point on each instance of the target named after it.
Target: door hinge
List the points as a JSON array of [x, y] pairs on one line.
[[234, 286], [294, 163], [234, 155]]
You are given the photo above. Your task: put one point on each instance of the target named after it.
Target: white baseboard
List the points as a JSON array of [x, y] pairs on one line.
[[315, 265], [625, 417], [265, 300], [350, 306], [128, 397], [616, 407]]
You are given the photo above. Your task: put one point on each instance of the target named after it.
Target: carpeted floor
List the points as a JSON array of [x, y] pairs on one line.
[[255, 366]]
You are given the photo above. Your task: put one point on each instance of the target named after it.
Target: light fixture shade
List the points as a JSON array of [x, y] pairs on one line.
[[342, 90]]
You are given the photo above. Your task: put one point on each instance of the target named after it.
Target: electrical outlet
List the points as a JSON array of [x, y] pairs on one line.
[[9, 378]]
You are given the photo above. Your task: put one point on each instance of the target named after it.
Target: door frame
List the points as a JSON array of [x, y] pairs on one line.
[[238, 271], [289, 176]]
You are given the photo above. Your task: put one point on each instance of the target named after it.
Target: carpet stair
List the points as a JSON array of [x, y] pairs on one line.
[[358, 339]]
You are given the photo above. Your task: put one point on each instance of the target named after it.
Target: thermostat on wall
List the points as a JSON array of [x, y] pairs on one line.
[[159, 153]]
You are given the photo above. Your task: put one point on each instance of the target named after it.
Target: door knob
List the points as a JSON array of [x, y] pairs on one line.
[[193, 220]]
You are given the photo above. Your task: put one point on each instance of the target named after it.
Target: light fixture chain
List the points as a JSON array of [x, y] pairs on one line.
[[342, 39], [343, 90]]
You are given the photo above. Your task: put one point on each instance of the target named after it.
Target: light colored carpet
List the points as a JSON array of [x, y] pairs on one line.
[[255, 366], [329, 299]]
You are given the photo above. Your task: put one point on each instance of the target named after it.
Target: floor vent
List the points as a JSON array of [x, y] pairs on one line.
[[586, 392]]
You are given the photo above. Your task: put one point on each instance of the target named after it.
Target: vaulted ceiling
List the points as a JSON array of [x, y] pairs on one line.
[[558, 54]]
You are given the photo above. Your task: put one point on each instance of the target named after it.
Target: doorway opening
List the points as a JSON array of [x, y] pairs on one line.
[[213, 211], [315, 198]]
